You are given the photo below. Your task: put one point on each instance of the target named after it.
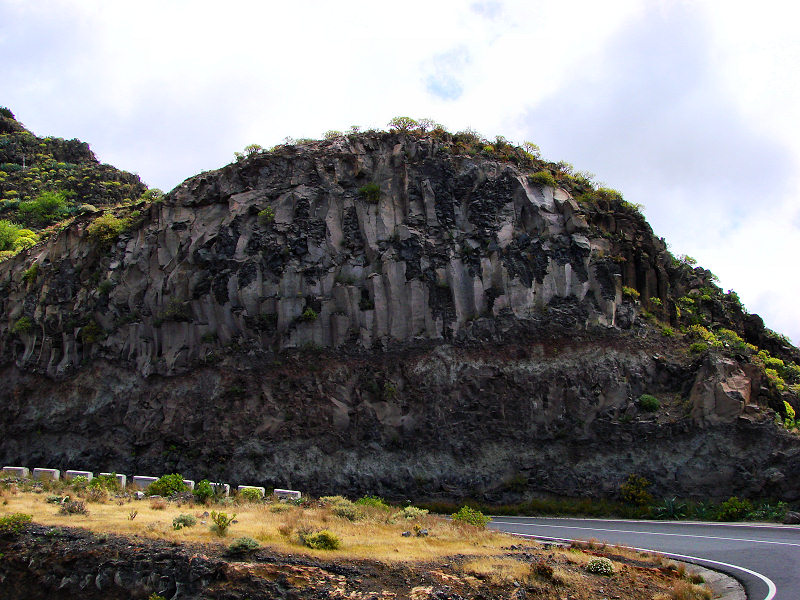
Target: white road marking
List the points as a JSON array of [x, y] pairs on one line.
[[651, 521], [706, 537], [771, 589]]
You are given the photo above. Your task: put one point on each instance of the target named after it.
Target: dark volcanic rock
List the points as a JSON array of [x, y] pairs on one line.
[[270, 323]]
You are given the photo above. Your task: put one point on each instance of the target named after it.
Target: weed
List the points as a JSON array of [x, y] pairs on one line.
[[158, 503], [321, 540], [73, 507], [182, 521], [221, 523]]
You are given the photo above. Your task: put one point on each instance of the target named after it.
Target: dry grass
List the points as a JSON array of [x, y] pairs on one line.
[[376, 535], [684, 590]]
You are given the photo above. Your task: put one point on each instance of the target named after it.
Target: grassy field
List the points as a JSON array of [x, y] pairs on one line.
[[477, 558]]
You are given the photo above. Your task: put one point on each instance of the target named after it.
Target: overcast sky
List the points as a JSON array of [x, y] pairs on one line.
[[689, 108]]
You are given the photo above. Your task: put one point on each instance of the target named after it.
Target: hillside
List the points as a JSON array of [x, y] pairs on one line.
[[44, 182], [412, 313]]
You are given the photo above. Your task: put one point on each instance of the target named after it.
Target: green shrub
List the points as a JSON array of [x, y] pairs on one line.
[[347, 511], [91, 333], [79, 483], [243, 545], [412, 513], [309, 315], [14, 523], [648, 403], [789, 421], [167, 485], [203, 491], [600, 566], [321, 540], [733, 509], [630, 293], [543, 178], [105, 229], [22, 325], [106, 482], [250, 495], [182, 521], [698, 347], [373, 501], [266, 216], [9, 232], [404, 124], [667, 331], [105, 287], [221, 522], [470, 516], [370, 192], [48, 207], [31, 273], [635, 490]]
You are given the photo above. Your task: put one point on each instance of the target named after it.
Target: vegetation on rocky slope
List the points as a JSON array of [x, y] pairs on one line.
[[44, 182]]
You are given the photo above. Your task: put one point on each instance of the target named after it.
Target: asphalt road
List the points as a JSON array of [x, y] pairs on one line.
[[765, 558]]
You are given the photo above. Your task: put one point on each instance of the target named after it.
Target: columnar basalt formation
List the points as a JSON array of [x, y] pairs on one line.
[[380, 313]]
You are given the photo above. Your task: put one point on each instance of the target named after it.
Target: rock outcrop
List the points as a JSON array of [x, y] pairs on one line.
[[376, 313]]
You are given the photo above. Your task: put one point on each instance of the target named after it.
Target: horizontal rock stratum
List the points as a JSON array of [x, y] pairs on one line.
[[389, 313]]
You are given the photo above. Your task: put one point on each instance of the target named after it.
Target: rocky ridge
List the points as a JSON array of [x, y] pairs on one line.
[[390, 313]]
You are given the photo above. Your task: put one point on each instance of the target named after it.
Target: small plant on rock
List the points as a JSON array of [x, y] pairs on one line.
[[370, 192], [648, 403], [266, 216], [543, 178], [629, 293]]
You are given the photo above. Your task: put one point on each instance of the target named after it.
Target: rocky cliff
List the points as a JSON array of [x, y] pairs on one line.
[[398, 313]]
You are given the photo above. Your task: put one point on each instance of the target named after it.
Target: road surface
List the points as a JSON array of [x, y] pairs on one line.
[[764, 557]]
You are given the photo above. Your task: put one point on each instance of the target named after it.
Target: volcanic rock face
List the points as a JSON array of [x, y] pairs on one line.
[[448, 242], [281, 321]]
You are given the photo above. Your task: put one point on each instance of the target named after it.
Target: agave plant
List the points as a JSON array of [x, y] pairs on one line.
[[670, 508]]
